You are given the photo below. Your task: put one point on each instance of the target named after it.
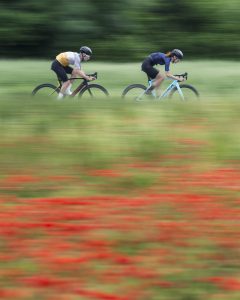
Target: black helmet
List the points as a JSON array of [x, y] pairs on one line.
[[86, 50], [178, 53]]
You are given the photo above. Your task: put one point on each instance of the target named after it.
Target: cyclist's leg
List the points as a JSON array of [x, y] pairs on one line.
[[153, 74], [69, 70], [157, 83], [62, 75], [74, 74]]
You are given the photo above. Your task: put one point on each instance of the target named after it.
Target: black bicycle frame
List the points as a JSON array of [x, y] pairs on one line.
[[81, 85]]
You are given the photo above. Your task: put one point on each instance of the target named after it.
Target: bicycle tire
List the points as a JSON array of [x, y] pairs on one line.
[[93, 91], [46, 86], [195, 93], [129, 89]]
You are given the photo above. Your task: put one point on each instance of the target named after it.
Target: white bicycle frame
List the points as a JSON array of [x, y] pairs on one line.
[[166, 93], [173, 85]]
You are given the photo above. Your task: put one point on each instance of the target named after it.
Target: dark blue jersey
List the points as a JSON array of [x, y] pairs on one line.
[[159, 58]]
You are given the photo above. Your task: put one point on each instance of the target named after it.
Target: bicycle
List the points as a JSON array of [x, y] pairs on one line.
[[85, 89], [138, 91]]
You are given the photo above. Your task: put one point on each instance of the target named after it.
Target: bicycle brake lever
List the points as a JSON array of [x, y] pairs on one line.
[[93, 75]]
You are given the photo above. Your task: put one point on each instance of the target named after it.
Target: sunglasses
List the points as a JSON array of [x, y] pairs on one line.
[[86, 56]]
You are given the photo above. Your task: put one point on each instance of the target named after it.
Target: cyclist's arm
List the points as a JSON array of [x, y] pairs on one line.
[[82, 74], [169, 75]]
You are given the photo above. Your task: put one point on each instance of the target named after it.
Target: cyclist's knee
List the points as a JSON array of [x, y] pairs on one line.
[[160, 77]]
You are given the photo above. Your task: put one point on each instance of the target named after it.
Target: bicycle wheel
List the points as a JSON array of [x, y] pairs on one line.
[[189, 92], [46, 90], [133, 92], [93, 91]]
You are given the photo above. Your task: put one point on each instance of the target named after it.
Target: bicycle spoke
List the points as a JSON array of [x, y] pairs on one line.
[[46, 90], [90, 93]]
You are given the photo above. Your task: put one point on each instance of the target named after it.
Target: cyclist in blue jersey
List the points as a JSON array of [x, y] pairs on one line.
[[159, 58]]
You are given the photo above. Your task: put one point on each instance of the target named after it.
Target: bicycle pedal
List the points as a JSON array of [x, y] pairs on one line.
[[148, 93]]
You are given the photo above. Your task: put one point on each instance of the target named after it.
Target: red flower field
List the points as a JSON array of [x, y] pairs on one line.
[[150, 245], [121, 212]]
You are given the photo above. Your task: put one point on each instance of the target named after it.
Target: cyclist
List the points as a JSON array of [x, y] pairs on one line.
[[61, 66], [156, 58]]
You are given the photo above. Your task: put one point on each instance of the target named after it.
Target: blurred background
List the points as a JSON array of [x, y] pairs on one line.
[[109, 199], [40, 29]]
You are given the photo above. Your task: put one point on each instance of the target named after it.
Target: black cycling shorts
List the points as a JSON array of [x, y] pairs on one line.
[[147, 67], [61, 71]]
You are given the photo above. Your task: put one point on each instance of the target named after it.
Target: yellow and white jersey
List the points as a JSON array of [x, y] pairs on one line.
[[69, 58]]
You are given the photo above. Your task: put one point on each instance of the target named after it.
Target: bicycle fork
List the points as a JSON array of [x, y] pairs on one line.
[[167, 92], [180, 91]]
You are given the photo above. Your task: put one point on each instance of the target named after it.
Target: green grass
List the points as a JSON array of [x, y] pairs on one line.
[[112, 129], [47, 137], [212, 78], [51, 138], [165, 176]]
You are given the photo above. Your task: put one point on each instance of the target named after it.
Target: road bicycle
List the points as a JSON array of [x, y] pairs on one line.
[[84, 89], [174, 91]]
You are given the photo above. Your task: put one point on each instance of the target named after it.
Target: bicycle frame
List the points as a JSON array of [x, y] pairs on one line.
[[84, 87], [167, 91], [173, 85], [80, 86]]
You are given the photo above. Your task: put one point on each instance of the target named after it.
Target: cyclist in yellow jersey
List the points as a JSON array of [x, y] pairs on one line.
[[61, 66]]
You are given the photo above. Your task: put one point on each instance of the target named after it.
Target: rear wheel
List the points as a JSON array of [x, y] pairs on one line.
[[134, 92], [46, 90], [189, 93], [93, 91]]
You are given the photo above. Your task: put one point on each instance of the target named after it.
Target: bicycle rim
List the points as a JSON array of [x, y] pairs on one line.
[[46, 90], [135, 92], [93, 91], [189, 92]]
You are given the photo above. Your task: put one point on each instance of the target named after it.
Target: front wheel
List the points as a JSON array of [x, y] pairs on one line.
[[134, 92], [93, 91], [46, 90], [189, 93]]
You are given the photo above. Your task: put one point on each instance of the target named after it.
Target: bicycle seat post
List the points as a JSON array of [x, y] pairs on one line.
[[60, 82]]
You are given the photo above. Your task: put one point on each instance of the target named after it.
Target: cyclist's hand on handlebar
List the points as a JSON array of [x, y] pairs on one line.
[[181, 78], [91, 78]]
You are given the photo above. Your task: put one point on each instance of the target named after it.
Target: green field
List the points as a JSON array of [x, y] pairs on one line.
[[57, 137], [111, 200], [212, 78], [98, 134]]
